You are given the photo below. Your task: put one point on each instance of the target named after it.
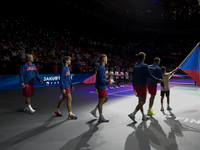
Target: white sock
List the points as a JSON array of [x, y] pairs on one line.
[[57, 109], [134, 112], [167, 105], [100, 115], [70, 112]]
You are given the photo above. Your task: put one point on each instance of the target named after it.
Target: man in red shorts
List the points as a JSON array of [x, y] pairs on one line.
[[152, 84], [101, 84], [141, 73], [65, 85], [28, 75]]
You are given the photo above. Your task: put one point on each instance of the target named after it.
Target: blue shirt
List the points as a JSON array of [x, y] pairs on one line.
[[101, 81], [157, 72], [141, 73], [65, 78], [29, 74]]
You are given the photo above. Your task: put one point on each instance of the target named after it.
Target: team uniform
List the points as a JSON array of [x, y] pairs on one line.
[[141, 73], [152, 84], [100, 85], [65, 80], [111, 74], [101, 82], [28, 75], [65, 84]]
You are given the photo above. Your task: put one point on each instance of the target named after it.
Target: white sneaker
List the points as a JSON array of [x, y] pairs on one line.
[[31, 111], [102, 119], [117, 87], [94, 113]]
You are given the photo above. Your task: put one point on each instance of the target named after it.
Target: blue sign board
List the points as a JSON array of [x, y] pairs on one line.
[[8, 82]]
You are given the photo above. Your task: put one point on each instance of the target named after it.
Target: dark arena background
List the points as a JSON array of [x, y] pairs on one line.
[[84, 29]]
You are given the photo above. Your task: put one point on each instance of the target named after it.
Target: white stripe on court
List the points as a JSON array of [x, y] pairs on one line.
[[94, 92], [123, 91], [121, 95]]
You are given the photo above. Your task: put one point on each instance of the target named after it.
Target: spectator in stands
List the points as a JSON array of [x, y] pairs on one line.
[[53, 55], [7, 57]]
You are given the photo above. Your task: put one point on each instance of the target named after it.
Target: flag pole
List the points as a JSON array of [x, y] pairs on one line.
[[189, 55]]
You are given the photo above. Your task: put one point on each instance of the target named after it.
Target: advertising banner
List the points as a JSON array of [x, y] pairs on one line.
[[9, 82]]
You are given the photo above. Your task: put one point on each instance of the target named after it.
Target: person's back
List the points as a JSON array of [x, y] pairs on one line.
[[152, 84], [157, 72], [140, 74]]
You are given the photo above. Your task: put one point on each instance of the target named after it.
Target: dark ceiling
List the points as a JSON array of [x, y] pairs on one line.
[[114, 16]]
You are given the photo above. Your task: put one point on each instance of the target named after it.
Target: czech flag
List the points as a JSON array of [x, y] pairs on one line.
[[191, 64]]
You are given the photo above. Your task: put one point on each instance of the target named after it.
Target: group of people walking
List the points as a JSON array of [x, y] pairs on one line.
[[144, 77]]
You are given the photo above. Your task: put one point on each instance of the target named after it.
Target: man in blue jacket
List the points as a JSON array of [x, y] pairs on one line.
[[152, 84], [101, 84], [141, 73], [65, 86], [28, 75]]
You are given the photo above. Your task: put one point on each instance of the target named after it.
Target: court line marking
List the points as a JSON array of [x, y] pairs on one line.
[[123, 91], [121, 95], [114, 92], [94, 92], [180, 83]]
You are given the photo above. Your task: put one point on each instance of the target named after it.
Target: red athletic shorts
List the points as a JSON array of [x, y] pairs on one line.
[[67, 92], [140, 91], [152, 89], [28, 90], [102, 93]]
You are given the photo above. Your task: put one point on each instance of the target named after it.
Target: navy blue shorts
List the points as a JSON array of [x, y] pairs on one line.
[[163, 93]]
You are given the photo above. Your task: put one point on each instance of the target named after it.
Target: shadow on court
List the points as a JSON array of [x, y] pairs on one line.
[[28, 134], [81, 141]]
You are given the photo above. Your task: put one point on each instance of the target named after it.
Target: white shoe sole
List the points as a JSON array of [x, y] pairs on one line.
[[31, 112]]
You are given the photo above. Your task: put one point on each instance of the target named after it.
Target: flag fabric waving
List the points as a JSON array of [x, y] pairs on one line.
[[191, 64]]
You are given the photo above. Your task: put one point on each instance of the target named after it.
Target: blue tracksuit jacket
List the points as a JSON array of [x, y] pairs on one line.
[[141, 73], [157, 72], [29, 74], [101, 81], [65, 78]]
